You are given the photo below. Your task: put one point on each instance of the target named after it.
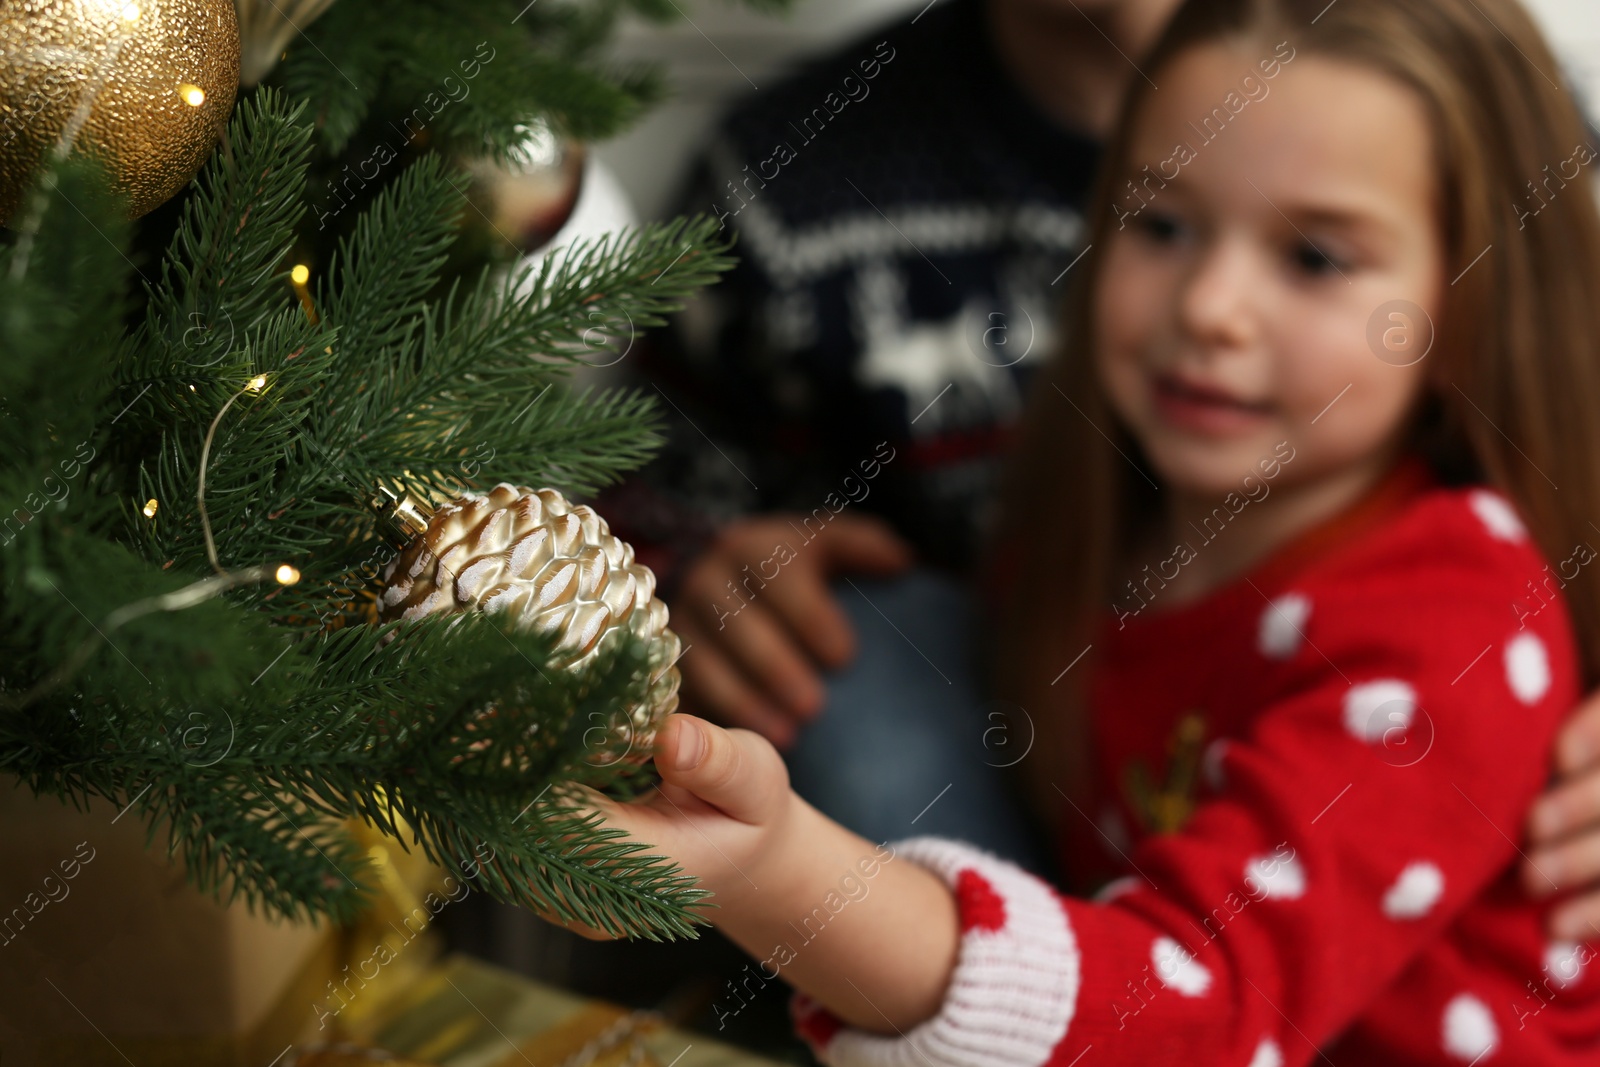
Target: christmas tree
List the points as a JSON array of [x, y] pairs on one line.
[[196, 427]]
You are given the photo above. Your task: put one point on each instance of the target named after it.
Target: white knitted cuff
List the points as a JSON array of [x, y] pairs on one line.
[[1015, 985]]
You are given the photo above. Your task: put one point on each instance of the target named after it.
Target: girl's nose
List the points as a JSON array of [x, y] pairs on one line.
[[1216, 300]]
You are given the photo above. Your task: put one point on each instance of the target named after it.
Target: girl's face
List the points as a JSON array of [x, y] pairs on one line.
[[1233, 307]]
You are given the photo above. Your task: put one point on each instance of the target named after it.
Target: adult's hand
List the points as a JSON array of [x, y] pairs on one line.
[[759, 621], [1564, 827]]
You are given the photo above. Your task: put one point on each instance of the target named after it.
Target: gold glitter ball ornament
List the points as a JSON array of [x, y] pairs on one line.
[[146, 86], [556, 567]]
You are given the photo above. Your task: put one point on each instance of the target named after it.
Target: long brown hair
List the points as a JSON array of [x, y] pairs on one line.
[[1517, 334]]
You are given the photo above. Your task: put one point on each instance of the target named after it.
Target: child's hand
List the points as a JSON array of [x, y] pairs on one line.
[[725, 813], [723, 806]]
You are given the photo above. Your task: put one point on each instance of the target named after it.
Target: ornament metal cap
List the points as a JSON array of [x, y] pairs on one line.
[[410, 516]]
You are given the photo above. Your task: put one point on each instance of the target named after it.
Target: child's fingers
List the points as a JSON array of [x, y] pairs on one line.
[[736, 771]]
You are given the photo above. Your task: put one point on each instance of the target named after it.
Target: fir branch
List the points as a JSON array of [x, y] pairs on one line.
[[82, 610], [385, 269], [340, 90], [238, 842], [468, 75], [472, 76], [233, 236], [577, 868], [256, 812], [62, 298], [616, 284]]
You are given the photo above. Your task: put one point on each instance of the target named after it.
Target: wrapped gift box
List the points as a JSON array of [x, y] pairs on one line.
[[465, 1013], [107, 956]]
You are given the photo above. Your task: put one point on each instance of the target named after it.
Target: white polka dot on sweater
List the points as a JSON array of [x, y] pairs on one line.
[[1415, 892], [1268, 1054], [1117, 887], [1469, 1030], [1563, 962], [1283, 625], [1211, 764], [1499, 516], [1373, 709], [1177, 969], [1276, 877], [1527, 668]]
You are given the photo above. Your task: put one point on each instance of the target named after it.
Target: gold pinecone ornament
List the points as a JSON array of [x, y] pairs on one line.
[[556, 567]]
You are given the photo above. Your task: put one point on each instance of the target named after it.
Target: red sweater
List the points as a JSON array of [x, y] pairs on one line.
[[1314, 784]]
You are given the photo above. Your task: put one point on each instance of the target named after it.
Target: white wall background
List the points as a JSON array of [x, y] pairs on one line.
[[721, 50]]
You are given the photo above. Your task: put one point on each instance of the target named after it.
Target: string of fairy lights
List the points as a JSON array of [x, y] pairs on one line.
[[282, 573], [194, 593]]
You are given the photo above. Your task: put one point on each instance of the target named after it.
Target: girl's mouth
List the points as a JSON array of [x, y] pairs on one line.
[[1191, 405]]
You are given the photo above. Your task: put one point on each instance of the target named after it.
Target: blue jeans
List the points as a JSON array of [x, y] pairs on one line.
[[906, 743]]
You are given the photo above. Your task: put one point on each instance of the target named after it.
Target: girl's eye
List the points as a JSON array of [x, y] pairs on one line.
[[1159, 227], [1311, 259]]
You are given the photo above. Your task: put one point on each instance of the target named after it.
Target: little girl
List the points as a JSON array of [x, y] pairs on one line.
[[1329, 405]]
